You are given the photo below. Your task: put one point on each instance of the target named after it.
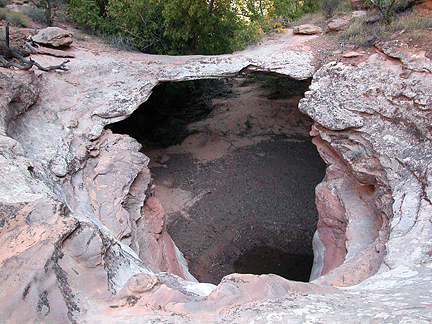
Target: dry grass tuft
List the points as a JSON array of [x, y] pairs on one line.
[[409, 24]]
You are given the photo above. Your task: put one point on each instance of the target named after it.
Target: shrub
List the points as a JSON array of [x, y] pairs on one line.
[[121, 42], [37, 15], [18, 19], [361, 34], [47, 8], [329, 7], [389, 8], [167, 26], [316, 18], [3, 14], [292, 9], [89, 13], [410, 22], [15, 18], [3, 3]]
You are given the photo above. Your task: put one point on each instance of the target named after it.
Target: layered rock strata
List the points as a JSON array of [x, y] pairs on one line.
[[84, 239]]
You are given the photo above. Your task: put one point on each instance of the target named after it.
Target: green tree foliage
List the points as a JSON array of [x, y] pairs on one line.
[[269, 14], [389, 8], [168, 26], [187, 26], [45, 10], [140, 20], [292, 9], [90, 13], [191, 26]]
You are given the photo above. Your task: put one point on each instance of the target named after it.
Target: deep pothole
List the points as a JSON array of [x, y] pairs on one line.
[[239, 190]]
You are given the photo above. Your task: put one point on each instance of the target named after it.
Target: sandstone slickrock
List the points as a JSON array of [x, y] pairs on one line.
[[413, 59], [83, 238]]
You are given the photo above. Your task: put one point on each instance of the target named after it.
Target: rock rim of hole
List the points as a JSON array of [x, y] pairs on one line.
[[55, 267]]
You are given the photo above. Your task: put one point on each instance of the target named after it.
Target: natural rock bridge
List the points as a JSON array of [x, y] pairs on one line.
[[84, 239]]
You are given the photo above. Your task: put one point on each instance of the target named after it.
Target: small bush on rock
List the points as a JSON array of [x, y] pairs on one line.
[[3, 3]]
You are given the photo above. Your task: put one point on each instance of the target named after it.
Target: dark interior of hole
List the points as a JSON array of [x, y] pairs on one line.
[[265, 260], [262, 203], [162, 120]]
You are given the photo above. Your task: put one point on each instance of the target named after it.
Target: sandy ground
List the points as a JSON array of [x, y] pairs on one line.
[[245, 180]]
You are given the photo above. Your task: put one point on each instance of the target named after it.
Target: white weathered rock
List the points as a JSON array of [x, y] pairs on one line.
[[359, 13]]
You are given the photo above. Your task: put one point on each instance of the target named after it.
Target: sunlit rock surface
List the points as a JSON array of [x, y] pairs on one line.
[[84, 240]]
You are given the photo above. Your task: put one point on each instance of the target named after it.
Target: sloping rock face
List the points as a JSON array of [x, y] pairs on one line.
[[84, 238]]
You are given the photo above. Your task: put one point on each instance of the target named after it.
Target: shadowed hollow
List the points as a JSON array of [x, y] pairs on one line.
[[239, 190]]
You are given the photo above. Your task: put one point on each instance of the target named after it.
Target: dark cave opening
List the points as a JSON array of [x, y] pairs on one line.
[[266, 260], [251, 210]]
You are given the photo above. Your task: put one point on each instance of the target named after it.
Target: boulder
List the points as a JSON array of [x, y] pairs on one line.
[[53, 36], [339, 24], [359, 13], [350, 54], [307, 29]]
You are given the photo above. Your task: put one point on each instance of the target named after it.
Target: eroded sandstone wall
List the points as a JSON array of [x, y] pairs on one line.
[[372, 126]]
